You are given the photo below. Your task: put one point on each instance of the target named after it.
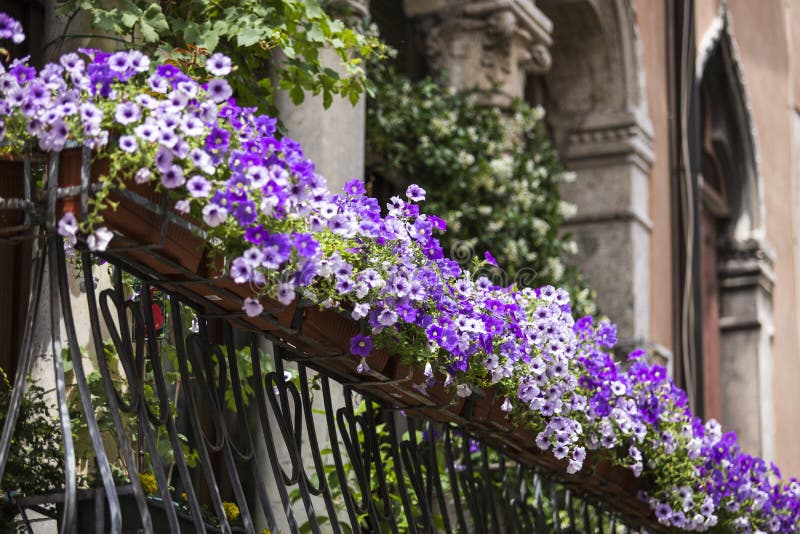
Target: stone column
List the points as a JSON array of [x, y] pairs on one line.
[[611, 154], [746, 282], [332, 138], [484, 43]]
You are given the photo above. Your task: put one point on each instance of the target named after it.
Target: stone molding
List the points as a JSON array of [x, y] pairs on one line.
[[746, 264], [611, 136], [484, 43], [610, 217]]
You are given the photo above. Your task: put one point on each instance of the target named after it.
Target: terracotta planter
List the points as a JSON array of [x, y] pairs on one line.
[[140, 226], [486, 409]]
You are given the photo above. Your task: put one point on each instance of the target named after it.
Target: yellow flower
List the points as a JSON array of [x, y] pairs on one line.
[[231, 510], [149, 484], [266, 531]]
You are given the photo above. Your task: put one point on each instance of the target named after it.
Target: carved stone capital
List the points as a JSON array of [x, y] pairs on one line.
[[484, 43]]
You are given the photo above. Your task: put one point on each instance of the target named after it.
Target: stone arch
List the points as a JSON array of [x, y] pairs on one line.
[[594, 95], [596, 74], [718, 58]]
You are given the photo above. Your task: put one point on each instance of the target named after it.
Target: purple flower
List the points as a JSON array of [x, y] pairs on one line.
[[214, 215], [306, 246], [636, 354], [128, 143], [218, 65], [256, 235], [245, 213], [168, 71], [415, 193], [173, 177], [489, 258], [11, 29], [361, 345], [198, 186], [354, 187], [217, 140], [68, 226], [219, 90], [127, 113], [252, 307]]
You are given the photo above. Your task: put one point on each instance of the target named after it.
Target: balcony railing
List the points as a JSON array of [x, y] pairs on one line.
[[205, 420]]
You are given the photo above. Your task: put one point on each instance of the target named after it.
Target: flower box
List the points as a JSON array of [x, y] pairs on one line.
[[140, 218]]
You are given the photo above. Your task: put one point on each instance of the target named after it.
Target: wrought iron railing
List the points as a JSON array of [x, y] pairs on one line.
[[188, 418]]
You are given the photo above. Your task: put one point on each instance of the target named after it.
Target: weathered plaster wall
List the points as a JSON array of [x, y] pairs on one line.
[[652, 29], [760, 32]]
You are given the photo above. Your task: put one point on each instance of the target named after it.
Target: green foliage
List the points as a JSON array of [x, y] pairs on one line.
[[35, 463], [250, 33], [492, 176]]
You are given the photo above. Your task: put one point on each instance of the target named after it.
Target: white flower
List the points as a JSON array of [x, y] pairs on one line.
[[68, 227], [218, 65], [285, 293], [360, 310], [567, 209], [503, 166], [182, 206], [143, 176], [567, 177], [214, 215], [463, 390], [99, 240], [252, 307]]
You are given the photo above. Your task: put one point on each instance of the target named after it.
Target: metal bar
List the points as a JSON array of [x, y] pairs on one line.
[[261, 382], [83, 387], [194, 419], [314, 447], [111, 393]]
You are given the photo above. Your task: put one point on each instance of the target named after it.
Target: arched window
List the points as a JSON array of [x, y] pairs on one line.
[[735, 276]]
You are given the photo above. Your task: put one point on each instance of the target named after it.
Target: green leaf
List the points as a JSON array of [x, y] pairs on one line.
[[248, 36], [191, 32], [315, 34], [155, 18], [297, 95], [129, 19], [149, 33]]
